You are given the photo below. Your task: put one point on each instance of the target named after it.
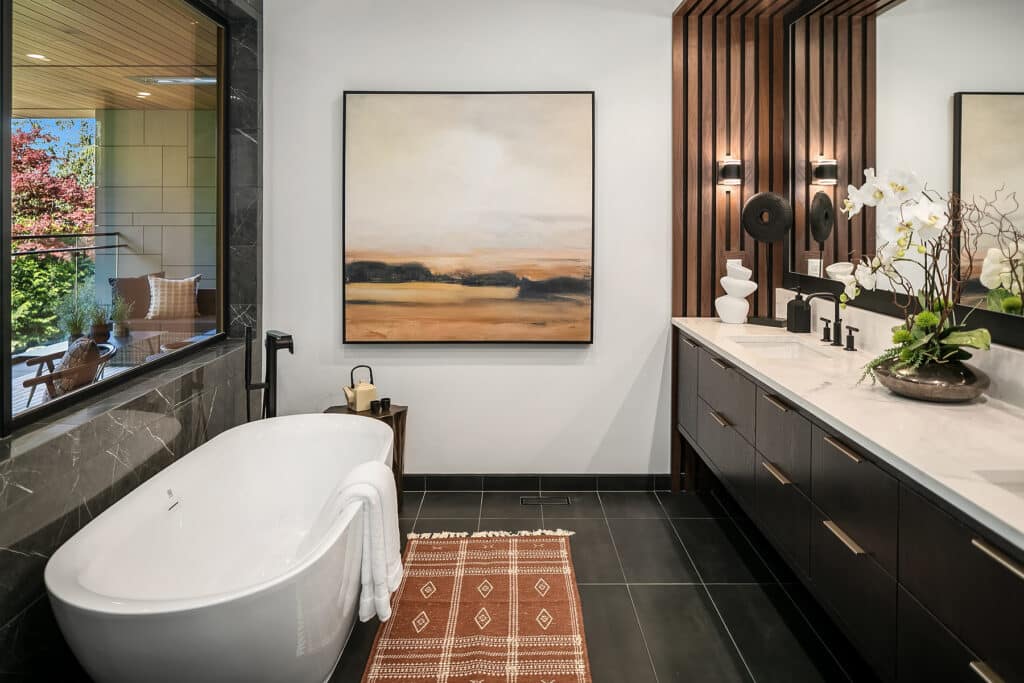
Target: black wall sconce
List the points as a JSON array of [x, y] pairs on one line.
[[824, 172], [730, 172]]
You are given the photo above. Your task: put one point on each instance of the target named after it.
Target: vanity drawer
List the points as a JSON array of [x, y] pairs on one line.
[[727, 392], [928, 652], [784, 512], [688, 357], [856, 495], [730, 454], [784, 438], [967, 581], [858, 591]]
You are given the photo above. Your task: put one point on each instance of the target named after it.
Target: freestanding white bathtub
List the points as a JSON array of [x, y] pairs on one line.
[[232, 564]]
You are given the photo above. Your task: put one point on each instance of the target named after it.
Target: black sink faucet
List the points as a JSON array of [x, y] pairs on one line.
[[837, 322]]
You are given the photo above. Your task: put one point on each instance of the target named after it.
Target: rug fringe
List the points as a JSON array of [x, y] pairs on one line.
[[488, 534]]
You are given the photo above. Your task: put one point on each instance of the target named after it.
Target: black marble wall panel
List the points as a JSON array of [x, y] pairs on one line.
[[58, 476]]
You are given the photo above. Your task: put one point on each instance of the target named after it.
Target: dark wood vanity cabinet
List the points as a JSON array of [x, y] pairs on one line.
[[967, 581], [924, 595], [728, 393], [688, 356]]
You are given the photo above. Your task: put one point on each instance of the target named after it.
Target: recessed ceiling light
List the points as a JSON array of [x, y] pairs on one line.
[[144, 94], [175, 80], [42, 58]]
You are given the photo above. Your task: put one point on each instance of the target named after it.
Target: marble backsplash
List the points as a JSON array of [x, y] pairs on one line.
[[1003, 364], [58, 475]]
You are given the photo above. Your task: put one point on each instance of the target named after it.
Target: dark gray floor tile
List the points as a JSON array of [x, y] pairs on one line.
[[835, 640], [721, 552], [405, 526], [356, 654], [650, 551], [510, 523], [593, 553], [433, 525], [688, 504], [582, 505], [506, 504], [633, 504], [685, 636], [614, 643], [410, 504], [450, 504], [776, 641]]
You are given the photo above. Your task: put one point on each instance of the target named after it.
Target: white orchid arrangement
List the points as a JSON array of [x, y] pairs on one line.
[[933, 232]]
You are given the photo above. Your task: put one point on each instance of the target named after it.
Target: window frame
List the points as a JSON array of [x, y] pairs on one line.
[[9, 422]]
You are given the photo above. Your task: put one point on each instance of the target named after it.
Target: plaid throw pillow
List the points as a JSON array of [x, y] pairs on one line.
[[172, 299]]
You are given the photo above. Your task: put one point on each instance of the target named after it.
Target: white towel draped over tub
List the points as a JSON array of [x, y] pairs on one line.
[[374, 485]]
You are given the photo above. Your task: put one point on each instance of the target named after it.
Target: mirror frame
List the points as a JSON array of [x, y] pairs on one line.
[[1006, 330]]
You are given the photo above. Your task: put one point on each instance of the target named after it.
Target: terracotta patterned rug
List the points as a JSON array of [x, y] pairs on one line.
[[494, 607]]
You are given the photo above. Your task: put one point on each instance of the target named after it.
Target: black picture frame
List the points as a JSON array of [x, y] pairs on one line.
[[9, 422], [1006, 330], [593, 218]]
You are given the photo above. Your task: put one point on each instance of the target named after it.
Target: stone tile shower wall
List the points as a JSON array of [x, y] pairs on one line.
[[60, 475], [55, 477]]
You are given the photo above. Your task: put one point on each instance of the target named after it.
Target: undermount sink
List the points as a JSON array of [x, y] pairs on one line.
[[1009, 480], [780, 349]]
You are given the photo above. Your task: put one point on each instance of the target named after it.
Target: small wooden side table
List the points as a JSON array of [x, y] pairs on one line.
[[395, 417]]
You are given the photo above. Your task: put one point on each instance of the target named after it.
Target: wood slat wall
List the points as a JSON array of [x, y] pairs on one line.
[[730, 92], [729, 98], [834, 117]]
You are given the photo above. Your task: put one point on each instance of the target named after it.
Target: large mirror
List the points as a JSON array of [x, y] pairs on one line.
[[933, 87]]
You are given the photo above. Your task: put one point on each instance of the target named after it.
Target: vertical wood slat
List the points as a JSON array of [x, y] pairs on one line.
[[732, 93], [678, 167], [805, 120]]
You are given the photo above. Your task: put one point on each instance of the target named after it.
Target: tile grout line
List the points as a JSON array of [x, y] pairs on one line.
[[636, 613], [707, 591], [782, 586]]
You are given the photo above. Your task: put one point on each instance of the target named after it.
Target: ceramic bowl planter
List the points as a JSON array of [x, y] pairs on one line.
[[953, 382], [99, 333]]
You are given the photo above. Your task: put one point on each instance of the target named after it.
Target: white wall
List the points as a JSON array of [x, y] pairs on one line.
[[597, 409], [926, 51]]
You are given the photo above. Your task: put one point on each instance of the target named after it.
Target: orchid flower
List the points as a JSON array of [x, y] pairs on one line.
[[997, 271], [928, 219]]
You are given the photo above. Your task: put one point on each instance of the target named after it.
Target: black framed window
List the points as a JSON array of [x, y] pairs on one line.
[[113, 206]]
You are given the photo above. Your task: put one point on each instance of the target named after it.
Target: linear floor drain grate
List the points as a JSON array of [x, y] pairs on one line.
[[545, 500]]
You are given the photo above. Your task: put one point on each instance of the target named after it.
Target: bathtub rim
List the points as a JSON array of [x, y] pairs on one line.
[[61, 572]]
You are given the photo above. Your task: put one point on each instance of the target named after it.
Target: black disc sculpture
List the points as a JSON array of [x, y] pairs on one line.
[[822, 217], [767, 217]]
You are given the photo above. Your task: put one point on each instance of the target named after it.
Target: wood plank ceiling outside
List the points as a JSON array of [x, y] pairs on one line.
[[95, 47], [730, 97]]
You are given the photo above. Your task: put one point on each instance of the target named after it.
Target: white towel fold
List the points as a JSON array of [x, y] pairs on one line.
[[374, 485]]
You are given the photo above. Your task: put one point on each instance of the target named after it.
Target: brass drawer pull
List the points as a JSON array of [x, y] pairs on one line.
[[843, 449], [985, 673], [719, 364], [999, 557], [783, 408], [841, 535], [722, 422], [689, 343], [775, 472]]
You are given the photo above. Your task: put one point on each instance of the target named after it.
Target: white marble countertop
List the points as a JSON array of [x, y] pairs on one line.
[[971, 455]]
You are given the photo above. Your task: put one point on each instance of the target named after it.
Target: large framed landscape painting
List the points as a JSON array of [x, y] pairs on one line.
[[468, 217]]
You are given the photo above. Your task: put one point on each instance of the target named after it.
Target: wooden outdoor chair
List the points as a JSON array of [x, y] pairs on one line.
[[49, 371]]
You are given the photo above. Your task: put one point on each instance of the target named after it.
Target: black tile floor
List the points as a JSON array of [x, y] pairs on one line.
[[674, 588]]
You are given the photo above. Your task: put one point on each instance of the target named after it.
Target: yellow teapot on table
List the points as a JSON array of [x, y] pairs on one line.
[[359, 395]]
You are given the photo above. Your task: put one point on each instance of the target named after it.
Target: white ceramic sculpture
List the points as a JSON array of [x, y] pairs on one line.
[[733, 307]]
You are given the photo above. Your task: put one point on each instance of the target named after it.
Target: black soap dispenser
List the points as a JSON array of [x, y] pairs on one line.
[[798, 314]]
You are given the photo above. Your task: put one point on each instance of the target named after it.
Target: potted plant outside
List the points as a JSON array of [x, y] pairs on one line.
[[72, 315], [120, 310], [99, 331]]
